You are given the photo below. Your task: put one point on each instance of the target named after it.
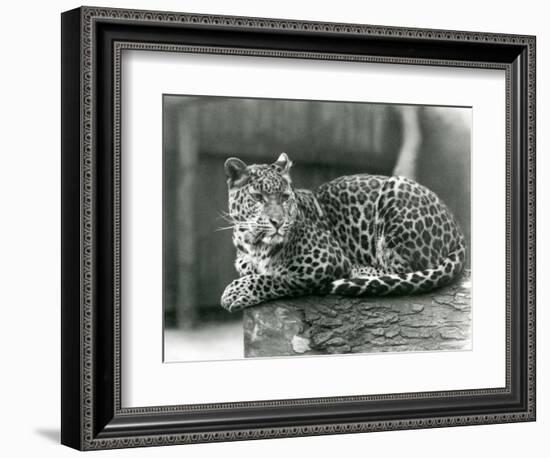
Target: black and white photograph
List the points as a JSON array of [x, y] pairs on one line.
[[311, 227]]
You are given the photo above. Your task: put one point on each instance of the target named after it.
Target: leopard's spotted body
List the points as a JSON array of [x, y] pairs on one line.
[[356, 235]]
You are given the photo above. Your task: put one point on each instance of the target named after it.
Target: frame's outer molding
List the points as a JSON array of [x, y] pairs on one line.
[[71, 230], [91, 414]]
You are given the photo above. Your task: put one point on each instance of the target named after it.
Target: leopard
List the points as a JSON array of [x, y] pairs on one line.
[[356, 235]]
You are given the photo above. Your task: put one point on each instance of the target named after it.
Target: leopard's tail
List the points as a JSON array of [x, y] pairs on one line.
[[420, 281]]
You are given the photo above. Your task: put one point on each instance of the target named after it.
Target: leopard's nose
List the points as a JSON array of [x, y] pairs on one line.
[[276, 223]]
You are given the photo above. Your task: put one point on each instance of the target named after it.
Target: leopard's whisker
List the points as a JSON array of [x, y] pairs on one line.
[[227, 218], [224, 228], [239, 224]]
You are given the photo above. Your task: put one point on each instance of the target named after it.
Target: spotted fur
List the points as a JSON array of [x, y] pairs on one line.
[[356, 235]]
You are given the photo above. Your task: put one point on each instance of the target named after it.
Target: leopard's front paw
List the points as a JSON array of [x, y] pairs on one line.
[[237, 295]]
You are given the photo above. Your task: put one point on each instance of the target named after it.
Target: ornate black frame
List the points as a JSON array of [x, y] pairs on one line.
[[92, 42]]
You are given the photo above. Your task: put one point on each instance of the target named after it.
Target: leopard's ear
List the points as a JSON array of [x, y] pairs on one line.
[[283, 163], [236, 171]]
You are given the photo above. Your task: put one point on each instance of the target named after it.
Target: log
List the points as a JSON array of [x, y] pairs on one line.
[[316, 325]]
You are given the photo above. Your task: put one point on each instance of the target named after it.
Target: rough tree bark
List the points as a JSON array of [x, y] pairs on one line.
[[440, 320]]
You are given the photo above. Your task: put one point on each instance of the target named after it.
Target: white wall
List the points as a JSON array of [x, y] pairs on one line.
[[30, 213]]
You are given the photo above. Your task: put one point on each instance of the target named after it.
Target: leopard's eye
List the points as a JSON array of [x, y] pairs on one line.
[[257, 196], [285, 196]]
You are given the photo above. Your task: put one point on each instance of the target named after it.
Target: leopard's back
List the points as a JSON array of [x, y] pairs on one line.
[[350, 206]]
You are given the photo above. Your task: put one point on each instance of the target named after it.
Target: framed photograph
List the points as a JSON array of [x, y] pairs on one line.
[[276, 228]]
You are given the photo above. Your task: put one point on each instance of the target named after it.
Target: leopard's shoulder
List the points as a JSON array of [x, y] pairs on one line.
[[311, 210]]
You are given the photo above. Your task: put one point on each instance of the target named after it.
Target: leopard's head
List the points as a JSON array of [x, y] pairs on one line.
[[262, 203]]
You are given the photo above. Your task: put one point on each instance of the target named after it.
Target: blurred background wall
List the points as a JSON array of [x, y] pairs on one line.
[[323, 139]]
